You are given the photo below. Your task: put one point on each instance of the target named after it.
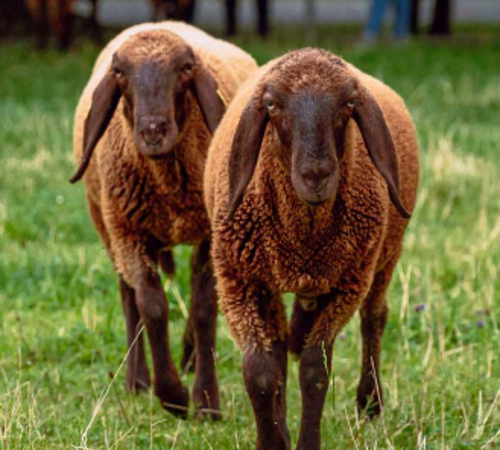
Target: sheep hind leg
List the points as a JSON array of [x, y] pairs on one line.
[[153, 308], [65, 24], [300, 325], [373, 321], [167, 264], [42, 24], [203, 318], [137, 377], [188, 360]]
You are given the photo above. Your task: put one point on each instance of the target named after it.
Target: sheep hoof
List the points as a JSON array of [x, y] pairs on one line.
[[207, 403], [368, 403], [138, 386], [188, 361], [208, 414], [175, 402], [138, 382]]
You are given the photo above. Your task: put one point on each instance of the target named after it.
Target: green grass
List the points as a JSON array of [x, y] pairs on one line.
[[61, 325]]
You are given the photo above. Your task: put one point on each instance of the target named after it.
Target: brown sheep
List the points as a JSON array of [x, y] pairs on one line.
[[155, 96], [173, 9], [55, 16], [298, 197]]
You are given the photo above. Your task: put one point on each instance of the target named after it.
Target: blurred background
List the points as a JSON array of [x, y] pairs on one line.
[[62, 333], [66, 21]]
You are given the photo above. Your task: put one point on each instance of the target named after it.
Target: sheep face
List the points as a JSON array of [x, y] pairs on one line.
[[310, 126], [306, 100], [152, 72]]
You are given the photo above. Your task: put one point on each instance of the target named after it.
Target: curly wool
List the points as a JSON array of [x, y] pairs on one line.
[[135, 202], [277, 243]]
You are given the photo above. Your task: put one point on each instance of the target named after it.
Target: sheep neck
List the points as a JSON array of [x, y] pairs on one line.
[[293, 220]]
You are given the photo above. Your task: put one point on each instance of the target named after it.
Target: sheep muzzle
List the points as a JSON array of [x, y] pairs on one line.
[[156, 136]]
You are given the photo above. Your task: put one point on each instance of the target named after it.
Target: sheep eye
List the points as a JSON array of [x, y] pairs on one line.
[[118, 74], [351, 103], [188, 69], [272, 107]]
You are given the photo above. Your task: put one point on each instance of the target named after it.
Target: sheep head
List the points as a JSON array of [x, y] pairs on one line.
[[307, 98], [152, 72]]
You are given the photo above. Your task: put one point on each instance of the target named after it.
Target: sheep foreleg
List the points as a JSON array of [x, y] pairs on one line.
[[315, 367], [153, 308], [257, 319], [137, 369], [265, 381]]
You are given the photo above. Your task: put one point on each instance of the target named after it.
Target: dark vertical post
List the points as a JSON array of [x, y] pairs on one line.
[[263, 17], [186, 10], [310, 23], [231, 18], [441, 23], [95, 28], [42, 24], [14, 15], [415, 17]]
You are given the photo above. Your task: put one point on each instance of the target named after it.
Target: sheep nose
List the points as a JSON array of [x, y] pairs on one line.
[[316, 178], [154, 132]]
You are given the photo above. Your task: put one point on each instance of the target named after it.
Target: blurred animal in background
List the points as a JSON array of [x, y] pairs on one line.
[[14, 17], [173, 9], [142, 130], [56, 18], [262, 17], [184, 10]]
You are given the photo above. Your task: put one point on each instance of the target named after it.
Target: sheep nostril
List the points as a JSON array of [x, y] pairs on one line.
[[154, 133], [316, 179]]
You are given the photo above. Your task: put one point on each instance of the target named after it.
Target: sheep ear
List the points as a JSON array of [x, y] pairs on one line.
[[209, 98], [378, 141], [104, 102], [245, 150]]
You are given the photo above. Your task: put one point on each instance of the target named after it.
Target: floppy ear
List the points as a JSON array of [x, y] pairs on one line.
[[104, 102], [245, 149], [209, 99], [378, 141]]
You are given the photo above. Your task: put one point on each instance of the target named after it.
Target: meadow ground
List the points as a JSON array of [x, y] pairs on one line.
[[61, 325]]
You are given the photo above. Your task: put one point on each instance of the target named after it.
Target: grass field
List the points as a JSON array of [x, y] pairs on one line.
[[61, 325]]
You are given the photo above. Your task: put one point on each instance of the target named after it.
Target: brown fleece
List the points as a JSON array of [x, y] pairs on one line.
[[309, 182], [276, 242], [144, 201], [143, 205]]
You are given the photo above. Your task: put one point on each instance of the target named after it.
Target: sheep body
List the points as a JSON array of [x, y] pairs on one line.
[[143, 204], [284, 254], [57, 16], [337, 258], [158, 202]]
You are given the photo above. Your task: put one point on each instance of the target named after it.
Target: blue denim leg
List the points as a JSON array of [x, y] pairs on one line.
[[376, 19], [402, 25]]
